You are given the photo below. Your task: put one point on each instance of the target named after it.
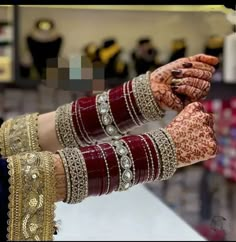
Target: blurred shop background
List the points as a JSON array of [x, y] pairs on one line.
[[129, 41]]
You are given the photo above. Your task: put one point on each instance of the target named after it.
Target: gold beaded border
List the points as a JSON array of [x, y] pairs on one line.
[[21, 167]]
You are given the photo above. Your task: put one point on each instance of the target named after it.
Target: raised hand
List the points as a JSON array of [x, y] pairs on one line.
[[183, 81], [193, 135]]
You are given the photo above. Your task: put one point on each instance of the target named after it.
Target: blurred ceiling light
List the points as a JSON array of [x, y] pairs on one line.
[[45, 26]]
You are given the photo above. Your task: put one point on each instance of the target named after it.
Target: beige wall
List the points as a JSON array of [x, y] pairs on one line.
[[81, 26], [5, 13]]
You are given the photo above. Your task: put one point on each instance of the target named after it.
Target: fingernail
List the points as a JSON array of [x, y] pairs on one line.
[[187, 64], [176, 72]]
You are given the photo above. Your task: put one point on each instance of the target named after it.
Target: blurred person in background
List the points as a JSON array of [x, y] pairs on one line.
[[90, 50], [44, 42], [214, 46], [145, 56], [116, 69], [178, 49]]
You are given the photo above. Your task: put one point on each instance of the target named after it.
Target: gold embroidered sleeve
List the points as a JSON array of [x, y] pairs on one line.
[[19, 135], [32, 197]]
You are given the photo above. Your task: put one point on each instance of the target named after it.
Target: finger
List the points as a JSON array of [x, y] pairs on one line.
[[165, 97], [209, 120], [194, 82], [192, 93], [196, 73], [187, 102], [208, 59], [172, 101], [199, 65], [212, 143]]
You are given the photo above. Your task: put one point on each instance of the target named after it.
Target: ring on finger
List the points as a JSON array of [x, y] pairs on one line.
[[176, 81]]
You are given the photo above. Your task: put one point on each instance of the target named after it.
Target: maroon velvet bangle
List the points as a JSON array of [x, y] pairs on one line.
[[76, 125], [94, 163], [131, 93], [102, 171], [89, 117], [119, 110], [105, 172], [80, 124], [148, 159], [112, 165], [139, 157], [129, 103], [154, 155], [86, 120]]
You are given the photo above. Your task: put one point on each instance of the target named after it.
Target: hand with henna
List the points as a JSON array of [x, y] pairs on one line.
[[183, 81], [193, 135]]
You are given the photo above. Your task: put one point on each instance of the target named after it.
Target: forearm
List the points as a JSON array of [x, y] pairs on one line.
[[39, 179], [83, 122], [110, 114], [47, 133], [102, 169]]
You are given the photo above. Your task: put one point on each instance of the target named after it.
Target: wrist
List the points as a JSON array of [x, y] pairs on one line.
[[117, 166], [109, 114], [46, 132], [60, 177]]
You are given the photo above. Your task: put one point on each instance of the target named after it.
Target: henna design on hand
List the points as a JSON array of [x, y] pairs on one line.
[[193, 135], [195, 67], [194, 88]]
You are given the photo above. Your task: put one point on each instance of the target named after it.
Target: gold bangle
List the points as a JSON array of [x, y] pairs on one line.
[[68, 179], [65, 130], [167, 153], [140, 122], [145, 99], [32, 197], [20, 135], [77, 173], [127, 106], [157, 154]]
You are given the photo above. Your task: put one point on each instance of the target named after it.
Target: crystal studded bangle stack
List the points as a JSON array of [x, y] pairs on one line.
[[32, 197], [118, 165], [109, 114], [19, 135]]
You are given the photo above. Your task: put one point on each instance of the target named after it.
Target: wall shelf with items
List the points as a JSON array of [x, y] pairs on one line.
[[25, 16], [6, 44]]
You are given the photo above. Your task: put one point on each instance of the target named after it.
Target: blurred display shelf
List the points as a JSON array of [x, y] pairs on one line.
[[5, 23], [222, 90], [5, 43], [219, 90], [5, 69], [171, 8]]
